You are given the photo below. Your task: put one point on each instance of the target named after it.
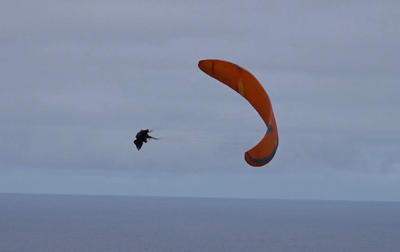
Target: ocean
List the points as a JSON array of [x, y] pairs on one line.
[[57, 223]]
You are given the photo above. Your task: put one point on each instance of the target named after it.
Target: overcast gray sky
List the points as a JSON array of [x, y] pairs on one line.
[[78, 79]]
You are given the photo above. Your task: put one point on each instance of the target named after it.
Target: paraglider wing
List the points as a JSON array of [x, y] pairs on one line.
[[243, 82]]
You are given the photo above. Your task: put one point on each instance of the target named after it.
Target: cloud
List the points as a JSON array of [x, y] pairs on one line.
[[78, 79]]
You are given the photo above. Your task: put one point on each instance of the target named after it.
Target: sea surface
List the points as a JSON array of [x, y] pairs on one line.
[[52, 223]]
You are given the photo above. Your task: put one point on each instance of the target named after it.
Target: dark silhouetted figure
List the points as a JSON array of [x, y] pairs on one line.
[[141, 137]]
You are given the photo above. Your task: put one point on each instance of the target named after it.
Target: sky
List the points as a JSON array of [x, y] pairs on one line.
[[78, 79]]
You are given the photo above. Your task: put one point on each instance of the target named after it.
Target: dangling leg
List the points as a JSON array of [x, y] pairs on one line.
[[138, 144]]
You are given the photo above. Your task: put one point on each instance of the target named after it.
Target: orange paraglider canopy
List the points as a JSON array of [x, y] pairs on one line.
[[243, 82]]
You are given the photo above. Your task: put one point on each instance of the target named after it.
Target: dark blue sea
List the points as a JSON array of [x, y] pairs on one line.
[[56, 223]]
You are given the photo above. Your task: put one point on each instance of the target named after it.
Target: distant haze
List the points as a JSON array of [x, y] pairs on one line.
[[78, 79]]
